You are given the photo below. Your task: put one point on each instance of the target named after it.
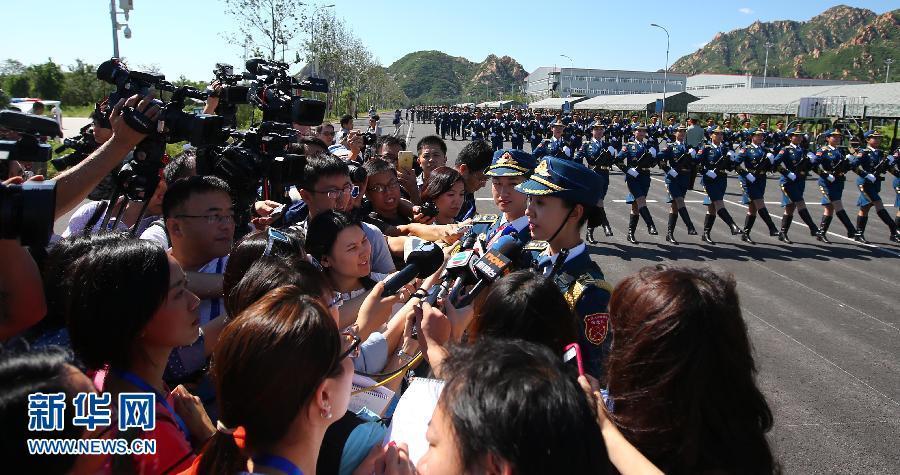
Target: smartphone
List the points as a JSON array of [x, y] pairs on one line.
[[405, 160], [572, 360]]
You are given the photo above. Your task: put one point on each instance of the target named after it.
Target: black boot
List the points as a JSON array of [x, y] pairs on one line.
[[764, 214], [851, 230], [708, 221], [861, 229], [748, 225], [687, 221], [785, 226], [804, 215], [886, 217], [632, 225], [726, 216], [645, 213], [822, 235], [590, 236], [592, 222], [607, 229], [670, 233]]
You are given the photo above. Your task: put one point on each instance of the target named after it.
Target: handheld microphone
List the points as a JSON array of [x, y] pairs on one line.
[[495, 263], [421, 262]]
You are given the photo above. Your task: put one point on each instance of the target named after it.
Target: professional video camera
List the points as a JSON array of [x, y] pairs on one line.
[[27, 130], [277, 94], [81, 146], [27, 210], [174, 124], [229, 93]]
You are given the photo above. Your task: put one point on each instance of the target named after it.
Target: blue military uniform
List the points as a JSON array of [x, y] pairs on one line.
[[871, 165], [477, 128], [677, 161], [794, 163], [832, 165], [517, 130], [537, 129], [553, 147], [636, 159], [753, 162], [600, 156], [510, 163], [578, 277], [715, 162], [496, 129]]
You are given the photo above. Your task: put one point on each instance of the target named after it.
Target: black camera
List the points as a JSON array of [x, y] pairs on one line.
[[28, 130], [27, 212], [369, 139], [174, 124], [230, 92], [81, 146], [278, 95]]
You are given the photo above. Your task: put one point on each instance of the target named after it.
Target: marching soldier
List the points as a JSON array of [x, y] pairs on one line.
[[437, 123], [635, 159], [832, 165], [517, 130], [715, 162], [677, 161], [871, 164], [496, 129], [794, 163], [537, 130], [599, 156], [477, 127], [454, 123], [445, 123], [753, 163], [555, 146], [561, 193]]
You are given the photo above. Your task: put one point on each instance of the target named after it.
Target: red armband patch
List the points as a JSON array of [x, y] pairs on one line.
[[596, 327]]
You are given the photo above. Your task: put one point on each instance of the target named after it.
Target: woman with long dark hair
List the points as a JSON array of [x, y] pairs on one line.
[[681, 375], [446, 189]]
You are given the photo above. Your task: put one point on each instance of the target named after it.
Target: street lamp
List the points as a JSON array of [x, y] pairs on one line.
[[665, 71], [127, 6], [766, 67], [887, 74], [572, 64]]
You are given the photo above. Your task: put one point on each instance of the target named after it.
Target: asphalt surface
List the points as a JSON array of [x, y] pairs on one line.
[[824, 319]]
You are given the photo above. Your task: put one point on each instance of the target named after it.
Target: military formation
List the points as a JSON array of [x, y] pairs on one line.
[[694, 156]]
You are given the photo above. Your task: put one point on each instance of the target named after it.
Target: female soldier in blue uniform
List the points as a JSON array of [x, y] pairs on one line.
[[753, 163], [556, 145], [678, 162], [561, 191], [794, 163], [832, 165], [635, 159], [598, 155], [715, 162], [870, 165]]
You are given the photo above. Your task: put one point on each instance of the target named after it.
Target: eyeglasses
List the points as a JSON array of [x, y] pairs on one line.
[[275, 235], [350, 343], [392, 185], [210, 218], [352, 190]]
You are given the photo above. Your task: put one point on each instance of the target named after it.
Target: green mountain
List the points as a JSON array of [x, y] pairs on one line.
[[434, 77], [840, 43]]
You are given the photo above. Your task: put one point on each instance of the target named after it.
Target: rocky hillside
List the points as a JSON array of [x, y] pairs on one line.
[[840, 43], [436, 77]]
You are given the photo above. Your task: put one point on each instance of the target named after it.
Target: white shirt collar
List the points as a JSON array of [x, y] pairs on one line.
[[573, 253]]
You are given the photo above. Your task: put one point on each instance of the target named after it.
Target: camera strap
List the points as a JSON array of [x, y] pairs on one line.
[[137, 120]]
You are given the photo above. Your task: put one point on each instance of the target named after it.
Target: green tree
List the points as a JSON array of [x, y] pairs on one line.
[[4, 98], [48, 79], [18, 85], [81, 86]]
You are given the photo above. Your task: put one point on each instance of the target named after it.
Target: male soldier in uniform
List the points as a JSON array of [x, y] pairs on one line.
[[477, 127], [437, 123], [599, 156], [454, 123], [517, 129], [508, 169], [561, 192]]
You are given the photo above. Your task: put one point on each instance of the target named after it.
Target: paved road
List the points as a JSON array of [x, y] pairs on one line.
[[823, 319]]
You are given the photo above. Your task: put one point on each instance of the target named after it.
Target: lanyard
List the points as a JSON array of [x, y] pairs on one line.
[[216, 304], [140, 383], [280, 463]]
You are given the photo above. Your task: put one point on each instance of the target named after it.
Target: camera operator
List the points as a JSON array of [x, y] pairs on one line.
[[325, 133], [182, 166]]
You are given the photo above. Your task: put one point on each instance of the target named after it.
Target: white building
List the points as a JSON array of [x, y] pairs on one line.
[[705, 85], [546, 82]]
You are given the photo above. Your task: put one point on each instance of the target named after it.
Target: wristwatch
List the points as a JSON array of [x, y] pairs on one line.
[[405, 357]]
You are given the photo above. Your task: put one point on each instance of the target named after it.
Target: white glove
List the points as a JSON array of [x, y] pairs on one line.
[[693, 153], [730, 153], [870, 177], [567, 151], [750, 177], [611, 150], [771, 157], [711, 174], [533, 137], [792, 176], [653, 152], [663, 145], [810, 155], [830, 178], [672, 173], [493, 134], [632, 172]]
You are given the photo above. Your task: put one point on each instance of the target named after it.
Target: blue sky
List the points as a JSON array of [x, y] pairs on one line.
[[185, 37]]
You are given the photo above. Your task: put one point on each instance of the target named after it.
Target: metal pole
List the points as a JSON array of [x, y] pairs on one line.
[[665, 71], [887, 74], [766, 67], [115, 28]]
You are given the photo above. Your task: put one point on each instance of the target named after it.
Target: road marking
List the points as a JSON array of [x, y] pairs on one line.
[[832, 363]]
